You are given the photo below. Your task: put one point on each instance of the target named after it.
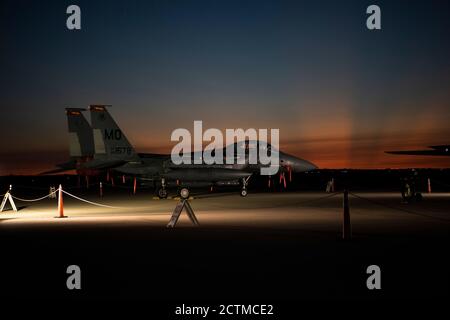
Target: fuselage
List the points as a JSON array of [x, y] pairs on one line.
[[156, 167]]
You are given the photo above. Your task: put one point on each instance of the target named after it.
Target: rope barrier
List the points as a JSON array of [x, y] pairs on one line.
[[316, 199], [37, 199], [296, 203], [93, 203], [399, 209], [84, 186]]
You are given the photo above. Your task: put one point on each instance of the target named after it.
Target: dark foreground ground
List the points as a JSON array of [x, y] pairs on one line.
[[283, 249]]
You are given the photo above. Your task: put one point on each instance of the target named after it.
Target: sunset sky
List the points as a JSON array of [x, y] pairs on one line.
[[340, 94]]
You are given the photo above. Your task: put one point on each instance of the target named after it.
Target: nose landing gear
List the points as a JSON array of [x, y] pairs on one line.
[[244, 191]]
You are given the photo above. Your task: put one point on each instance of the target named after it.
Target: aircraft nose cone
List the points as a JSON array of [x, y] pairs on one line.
[[297, 164], [304, 165]]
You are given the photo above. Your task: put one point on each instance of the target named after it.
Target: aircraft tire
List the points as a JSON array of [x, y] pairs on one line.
[[244, 193], [162, 193], [184, 193]]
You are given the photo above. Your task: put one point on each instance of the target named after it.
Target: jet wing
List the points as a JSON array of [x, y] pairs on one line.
[[62, 167], [417, 152], [93, 164], [102, 164], [153, 155], [59, 170], [443, 150]]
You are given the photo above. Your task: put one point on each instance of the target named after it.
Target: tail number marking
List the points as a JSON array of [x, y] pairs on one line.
[[113, 134], [121, 150]]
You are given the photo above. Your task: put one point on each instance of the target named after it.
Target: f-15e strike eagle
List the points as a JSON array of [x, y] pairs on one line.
[[102, 146]]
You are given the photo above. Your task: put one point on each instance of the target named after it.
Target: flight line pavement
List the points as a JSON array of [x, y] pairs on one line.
[[317, 211], [267, 247]]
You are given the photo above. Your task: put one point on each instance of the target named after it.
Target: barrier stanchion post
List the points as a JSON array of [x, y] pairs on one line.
[[101, 190], [60, 204], [184, 203], [134, 185], [346, 225], [8, 197], [429, 185], [123, 179], [11, 201], [112, 181]]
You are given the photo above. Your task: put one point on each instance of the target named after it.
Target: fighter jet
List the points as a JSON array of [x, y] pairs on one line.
[[105, 147], [442, 150]]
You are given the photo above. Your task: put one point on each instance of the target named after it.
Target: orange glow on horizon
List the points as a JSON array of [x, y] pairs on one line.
[[330, 137]]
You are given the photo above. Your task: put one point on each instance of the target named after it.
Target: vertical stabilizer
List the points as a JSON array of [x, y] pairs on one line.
[[81, 141], [109, 140]]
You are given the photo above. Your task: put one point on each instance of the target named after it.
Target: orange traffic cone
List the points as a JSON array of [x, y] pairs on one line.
[[60, 203]]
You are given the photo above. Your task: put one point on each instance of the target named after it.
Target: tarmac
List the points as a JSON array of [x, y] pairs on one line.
[[283, 246], [302, 211]]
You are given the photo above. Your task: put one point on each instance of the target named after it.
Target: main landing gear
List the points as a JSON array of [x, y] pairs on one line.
[[162, 192], [184, 193]]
